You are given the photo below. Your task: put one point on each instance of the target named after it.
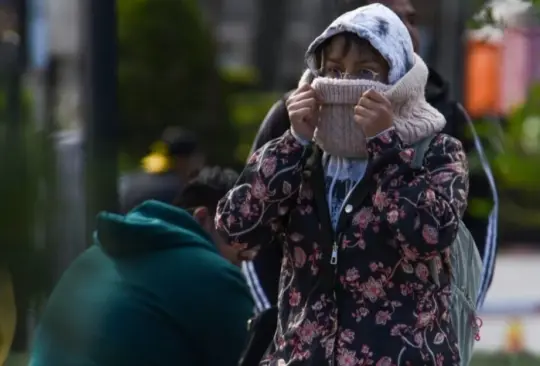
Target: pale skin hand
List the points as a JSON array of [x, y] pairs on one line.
[[373, 113], [303, 107]]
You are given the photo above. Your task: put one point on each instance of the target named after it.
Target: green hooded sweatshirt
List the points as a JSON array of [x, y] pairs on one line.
[[152, 291]]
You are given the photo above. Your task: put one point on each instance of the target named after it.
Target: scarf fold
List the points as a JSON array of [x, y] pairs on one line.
[[338, 134]]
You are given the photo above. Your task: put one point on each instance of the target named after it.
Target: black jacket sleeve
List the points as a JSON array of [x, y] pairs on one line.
[[263, 272], [274, 124], [267, 264]]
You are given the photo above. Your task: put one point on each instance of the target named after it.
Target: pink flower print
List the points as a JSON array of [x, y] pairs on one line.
[[363, 217], [373, 289], [441, 178], [409, 254], [286, 149], [352, 275], [258, 189], [385, 137], [253, 159], [392, 216], [360, 243], [329, 345], [385, 361], [282, 210], [299, 257], [307, 331], [404, 289], [406, 155], [347, 336], [365, 349], [424, 319], [231, 220], [296, 237], [373, 267], [245, 209], [390, 171], [294, 297], [268, 166], [347, 358], [422, 272], [407, 267], [306, 193], [397, 330], [382, 317], [430, 234], [380, 200], [430, 196], [439, 338], [439, 359], [287, 188], [419, 339]]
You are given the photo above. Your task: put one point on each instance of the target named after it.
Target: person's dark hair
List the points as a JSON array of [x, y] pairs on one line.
[[350, 39], [179, 141], [207, 188]]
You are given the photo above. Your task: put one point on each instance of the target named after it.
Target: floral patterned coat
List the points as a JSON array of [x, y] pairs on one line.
[[362, 295]]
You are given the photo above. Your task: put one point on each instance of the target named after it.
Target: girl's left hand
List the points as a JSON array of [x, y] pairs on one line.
[[373, 113]]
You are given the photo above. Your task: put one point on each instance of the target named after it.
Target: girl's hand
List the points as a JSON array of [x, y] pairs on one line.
[[373, 113], [303, 108]]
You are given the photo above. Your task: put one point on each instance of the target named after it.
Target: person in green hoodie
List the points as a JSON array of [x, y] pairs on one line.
[[153, 290]]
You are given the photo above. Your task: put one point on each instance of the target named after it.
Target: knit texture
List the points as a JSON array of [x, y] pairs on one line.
[[382, 28], [338, 134]]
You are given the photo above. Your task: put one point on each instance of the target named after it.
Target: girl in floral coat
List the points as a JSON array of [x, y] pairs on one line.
[[359, 225]]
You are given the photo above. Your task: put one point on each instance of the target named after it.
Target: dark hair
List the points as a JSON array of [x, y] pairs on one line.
[[350, 39], [207, 188], [179, 142]]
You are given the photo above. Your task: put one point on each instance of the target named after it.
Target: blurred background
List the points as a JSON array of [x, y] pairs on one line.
[[87, 88]]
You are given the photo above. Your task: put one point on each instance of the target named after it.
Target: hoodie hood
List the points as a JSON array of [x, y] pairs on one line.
[[382, 28], [149, 227]]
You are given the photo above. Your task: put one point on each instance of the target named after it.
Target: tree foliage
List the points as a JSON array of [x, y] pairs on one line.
[[515, 158], [168, 76]]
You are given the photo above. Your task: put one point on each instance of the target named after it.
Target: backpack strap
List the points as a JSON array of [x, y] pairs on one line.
[[420, 149]]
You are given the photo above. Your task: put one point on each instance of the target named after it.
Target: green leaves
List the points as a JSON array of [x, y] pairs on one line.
[[515, 154], [167, 75], [491, 13]]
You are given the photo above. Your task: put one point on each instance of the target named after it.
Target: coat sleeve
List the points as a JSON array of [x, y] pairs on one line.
[[274, 124], [251, 213], [420, 208]]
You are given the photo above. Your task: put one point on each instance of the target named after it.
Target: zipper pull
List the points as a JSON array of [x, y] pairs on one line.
[[333, 258]]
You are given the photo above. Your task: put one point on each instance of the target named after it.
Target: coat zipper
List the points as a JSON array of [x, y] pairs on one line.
[[334, 262], [333, 258]]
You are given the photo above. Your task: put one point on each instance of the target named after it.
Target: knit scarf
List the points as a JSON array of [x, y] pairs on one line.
[[339, 135]]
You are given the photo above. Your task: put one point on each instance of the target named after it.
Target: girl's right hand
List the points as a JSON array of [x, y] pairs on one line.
[[303, 107]]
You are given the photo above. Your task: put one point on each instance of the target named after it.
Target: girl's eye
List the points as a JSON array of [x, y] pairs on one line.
[[367, 74], [332, 72]]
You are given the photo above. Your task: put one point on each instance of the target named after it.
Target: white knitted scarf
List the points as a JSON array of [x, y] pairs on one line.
[[338, 135]]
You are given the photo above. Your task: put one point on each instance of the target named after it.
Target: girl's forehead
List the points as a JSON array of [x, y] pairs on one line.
[[341, 45]]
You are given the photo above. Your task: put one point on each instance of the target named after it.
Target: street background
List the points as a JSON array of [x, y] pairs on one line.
[[88, 86]]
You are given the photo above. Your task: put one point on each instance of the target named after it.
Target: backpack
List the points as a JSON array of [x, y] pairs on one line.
[[466, 275]]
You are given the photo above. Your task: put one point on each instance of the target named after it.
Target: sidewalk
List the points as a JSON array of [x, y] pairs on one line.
[[514, 294]]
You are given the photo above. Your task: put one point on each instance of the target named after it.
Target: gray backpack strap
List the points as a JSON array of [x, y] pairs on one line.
[[420, 149]]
